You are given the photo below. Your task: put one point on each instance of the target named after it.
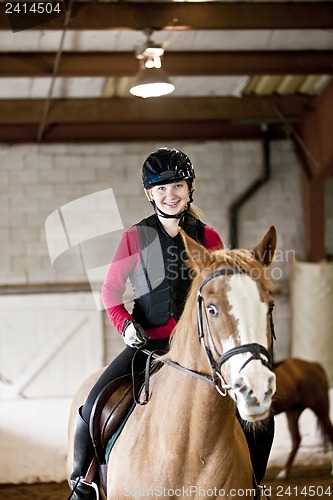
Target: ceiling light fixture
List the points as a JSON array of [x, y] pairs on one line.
[[151, 80]]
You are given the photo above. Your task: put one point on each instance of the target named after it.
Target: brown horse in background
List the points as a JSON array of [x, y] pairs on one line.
[[301, 384]]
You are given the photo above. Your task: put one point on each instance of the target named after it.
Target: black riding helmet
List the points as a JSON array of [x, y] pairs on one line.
[[165, 166]]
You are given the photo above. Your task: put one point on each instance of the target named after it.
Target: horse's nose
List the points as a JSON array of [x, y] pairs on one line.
[[255, 393], [242, 386]]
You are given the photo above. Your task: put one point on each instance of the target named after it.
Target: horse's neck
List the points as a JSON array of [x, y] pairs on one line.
[[196, 408], [195, 402]]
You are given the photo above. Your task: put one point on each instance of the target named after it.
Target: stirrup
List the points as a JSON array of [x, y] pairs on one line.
[[92, 485], [261, 488]]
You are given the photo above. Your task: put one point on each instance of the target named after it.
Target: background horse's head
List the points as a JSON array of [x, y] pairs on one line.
[[230, 300]]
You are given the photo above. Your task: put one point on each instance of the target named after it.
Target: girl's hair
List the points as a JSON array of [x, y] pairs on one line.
[[195, 212]]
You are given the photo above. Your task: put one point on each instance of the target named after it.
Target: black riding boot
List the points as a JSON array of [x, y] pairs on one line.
[[83, 455], [260, 443]]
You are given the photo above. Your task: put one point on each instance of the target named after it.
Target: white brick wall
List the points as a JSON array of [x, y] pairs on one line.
[[36, 180]]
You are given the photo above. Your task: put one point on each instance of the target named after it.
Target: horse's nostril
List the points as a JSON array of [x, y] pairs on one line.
[[240, 384], [272, 383]]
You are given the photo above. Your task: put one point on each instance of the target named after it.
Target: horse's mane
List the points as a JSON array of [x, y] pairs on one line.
[[240, 260], [243, 260]]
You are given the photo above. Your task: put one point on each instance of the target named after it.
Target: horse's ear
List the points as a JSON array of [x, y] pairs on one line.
[[198, 255], [265, 250]]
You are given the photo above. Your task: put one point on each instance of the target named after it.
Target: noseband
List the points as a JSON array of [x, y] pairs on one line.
[[255, 349]]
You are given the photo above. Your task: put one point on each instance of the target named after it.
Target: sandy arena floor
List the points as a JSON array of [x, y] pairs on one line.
[[293, 488]]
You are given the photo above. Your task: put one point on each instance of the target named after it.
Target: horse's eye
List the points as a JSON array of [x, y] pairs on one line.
[[213, 310]]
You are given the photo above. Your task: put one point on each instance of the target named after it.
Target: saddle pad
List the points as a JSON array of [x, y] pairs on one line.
[[117, 433]]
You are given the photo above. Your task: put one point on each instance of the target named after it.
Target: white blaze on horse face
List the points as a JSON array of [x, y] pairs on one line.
[[247, 308], [254, 383]]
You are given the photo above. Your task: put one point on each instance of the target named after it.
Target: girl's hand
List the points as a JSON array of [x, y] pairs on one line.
[[133, 334]]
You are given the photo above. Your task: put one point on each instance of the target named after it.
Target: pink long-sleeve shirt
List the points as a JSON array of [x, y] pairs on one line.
[[125, 261]]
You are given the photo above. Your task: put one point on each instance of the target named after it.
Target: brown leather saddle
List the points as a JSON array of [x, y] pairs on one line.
[[115, 401], [110, 409]]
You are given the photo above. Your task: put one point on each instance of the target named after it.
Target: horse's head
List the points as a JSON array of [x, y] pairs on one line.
[[234, 305]]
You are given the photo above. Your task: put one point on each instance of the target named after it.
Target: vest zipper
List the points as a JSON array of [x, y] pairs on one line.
[[171, 288]]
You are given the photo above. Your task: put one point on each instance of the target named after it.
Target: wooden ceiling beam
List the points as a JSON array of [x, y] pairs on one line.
[[192, 15], [91, 111], [147, 131], [117, 64]]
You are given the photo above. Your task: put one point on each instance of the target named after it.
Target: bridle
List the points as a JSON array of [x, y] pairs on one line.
[[255, 349], [216, 378]]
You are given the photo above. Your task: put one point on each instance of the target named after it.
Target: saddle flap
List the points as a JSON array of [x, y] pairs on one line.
[[110, 409], [115, 409]]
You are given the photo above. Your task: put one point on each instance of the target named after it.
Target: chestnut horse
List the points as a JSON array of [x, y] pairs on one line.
[[188, 438], [301, 384]]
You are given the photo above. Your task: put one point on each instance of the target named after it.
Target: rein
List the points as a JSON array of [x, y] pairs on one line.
[[173, 364], [216, 379]]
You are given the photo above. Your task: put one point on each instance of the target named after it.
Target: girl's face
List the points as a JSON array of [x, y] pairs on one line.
[[171, 198]]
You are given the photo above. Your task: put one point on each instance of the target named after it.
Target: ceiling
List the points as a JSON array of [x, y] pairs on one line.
[[235, 66]]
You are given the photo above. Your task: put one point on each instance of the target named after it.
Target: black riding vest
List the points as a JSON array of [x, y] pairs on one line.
[[161, 280]]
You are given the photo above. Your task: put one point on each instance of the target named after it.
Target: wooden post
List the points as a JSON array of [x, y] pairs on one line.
[[314, 218], [316, 153]]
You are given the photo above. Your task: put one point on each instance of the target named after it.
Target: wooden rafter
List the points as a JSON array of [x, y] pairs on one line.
[[31, 64], [134, 131], [172, 109], [130, 119]]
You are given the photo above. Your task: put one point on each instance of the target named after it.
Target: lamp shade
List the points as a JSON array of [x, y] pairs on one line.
[[151, 82]]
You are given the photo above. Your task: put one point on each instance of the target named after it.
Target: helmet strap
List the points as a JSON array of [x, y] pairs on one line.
[[168, 216]]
